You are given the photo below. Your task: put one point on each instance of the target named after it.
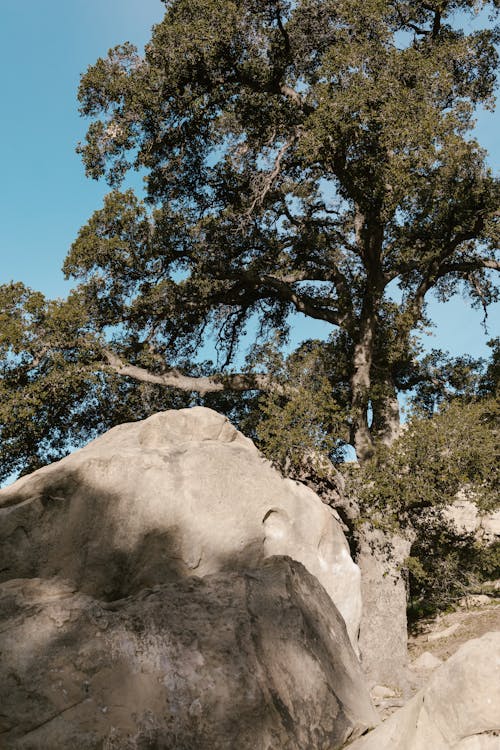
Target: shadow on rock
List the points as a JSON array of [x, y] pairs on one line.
[[179, 494], [250, 659]]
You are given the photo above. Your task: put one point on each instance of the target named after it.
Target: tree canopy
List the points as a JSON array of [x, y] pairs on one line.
[[311, 157]]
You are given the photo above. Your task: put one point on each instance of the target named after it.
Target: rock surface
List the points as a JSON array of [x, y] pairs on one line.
[[474, 623], [426, 662], [179, 494], [457, 710], [466, 517], [255, 660]]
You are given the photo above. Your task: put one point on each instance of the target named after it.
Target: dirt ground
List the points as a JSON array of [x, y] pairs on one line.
[[441, 637], [472, 621]]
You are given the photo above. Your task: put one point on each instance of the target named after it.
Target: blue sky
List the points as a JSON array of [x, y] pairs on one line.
[[45, 197]]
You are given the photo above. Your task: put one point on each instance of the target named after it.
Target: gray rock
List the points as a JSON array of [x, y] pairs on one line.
[[179, 494], [379, 692], [426, 662], [475, 600], [466, 517], [484, 741], [252, 659], [490, 524], [457, 710], [463, 514]]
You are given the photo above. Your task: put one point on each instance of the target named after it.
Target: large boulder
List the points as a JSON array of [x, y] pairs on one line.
[[457, 710], [179, 494], [254, 659]]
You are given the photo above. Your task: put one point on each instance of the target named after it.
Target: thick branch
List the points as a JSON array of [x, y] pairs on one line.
[[271, 177], [290, 93], [438, 271], [175, 379], [406, 22], [469, 265], [286, 293], [331, 271]]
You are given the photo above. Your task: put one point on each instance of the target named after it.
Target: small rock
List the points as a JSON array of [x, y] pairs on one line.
[[380, 692], [426, 661], [491, 585], [444, 633], [195, 709], [456, 710], [475, 600]]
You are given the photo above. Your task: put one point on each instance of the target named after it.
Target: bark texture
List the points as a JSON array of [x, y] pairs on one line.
[[383, 631]]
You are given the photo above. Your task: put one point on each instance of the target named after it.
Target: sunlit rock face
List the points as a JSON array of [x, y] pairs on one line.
[[249, 659], [457, 710], [182, 493], [465, 516]]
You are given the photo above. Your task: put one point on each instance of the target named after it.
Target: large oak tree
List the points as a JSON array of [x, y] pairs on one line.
[[311, 157]]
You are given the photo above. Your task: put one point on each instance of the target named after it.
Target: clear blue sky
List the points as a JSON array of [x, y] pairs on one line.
[[45, 197]]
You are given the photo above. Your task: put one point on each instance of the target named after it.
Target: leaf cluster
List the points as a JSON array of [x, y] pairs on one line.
[[433, 460], [299, 419]]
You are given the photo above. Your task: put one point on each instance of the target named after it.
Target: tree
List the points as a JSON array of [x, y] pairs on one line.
[[306, 156], [313, 157], [53, 396]]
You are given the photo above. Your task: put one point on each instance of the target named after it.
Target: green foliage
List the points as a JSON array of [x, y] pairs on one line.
[[444, 567], [298, 419], [432, 460], [410, 486], [439, 378], [53, 395]]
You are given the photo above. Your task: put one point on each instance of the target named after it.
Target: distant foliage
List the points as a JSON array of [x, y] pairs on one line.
[[53, 399], [432, 460], [445, 566], [407, 487]]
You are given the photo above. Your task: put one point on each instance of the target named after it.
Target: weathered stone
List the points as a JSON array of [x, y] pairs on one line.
[[252, 659], [475, 600], [381, 692], [490, 524], [483, 741], [181, 493], [426, 662], [457, 710], [465, 516]]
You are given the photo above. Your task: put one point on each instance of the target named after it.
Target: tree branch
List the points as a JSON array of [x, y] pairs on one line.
[[437, 271], [409, 24], [175, 379], [271, 176], [469, 265], [284, 291]]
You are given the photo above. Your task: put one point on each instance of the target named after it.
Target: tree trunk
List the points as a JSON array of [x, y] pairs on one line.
[[383, 631], [361, 436], [386, 425]]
